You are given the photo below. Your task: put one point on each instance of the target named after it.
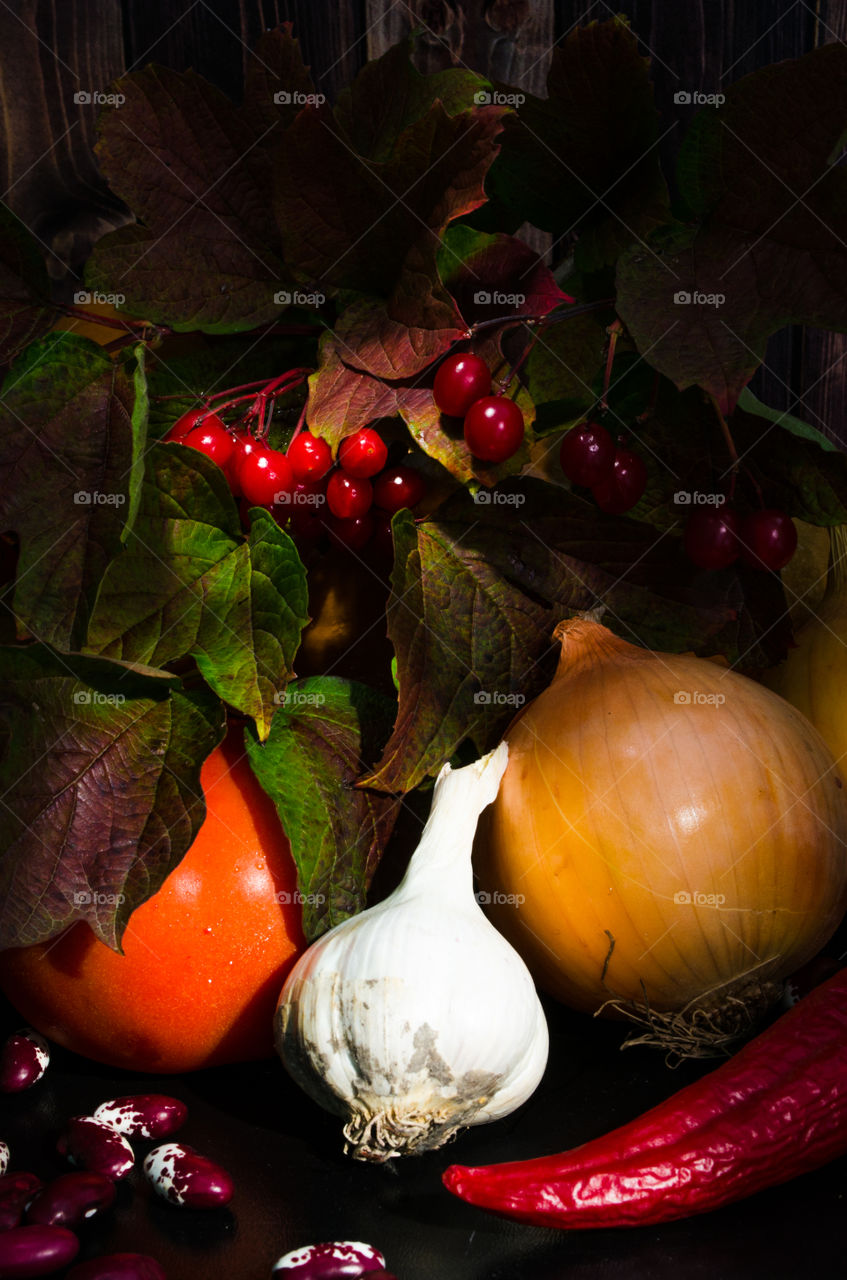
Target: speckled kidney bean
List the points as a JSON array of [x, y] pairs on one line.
[[71, 1198], [36, 1251], [182, 1176], [118, 1266], [143, 1115], [4, 1156], [16, 1191], [96, 1147], [330, 1261], [23, 1059]]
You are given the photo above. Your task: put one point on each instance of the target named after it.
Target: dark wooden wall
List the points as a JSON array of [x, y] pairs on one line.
[[51, 50]]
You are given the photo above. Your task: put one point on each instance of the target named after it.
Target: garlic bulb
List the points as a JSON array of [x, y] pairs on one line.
[[416, 1018]]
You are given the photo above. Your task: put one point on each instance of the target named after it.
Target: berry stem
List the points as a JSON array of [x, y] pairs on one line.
[[727, 434], [516, 367], [614, 331], [556, 314]]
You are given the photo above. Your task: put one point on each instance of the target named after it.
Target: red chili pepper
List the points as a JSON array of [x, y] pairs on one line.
[[777, 1109]]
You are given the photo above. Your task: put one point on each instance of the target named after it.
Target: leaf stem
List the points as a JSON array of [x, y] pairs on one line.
[[79, 313]]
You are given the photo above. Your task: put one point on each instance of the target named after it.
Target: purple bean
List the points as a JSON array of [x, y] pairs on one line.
[[143, 1115], [178, 1174], [16, 1191], [4, 1156], [23, 1059], [330, 1261], [118, 1266], [96, 1147], [71, 1198], [36, 1251]]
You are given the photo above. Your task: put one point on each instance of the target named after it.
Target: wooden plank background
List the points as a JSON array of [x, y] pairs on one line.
[[54, 50]]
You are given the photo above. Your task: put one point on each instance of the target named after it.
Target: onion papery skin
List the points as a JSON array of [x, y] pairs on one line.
[[665, 829]]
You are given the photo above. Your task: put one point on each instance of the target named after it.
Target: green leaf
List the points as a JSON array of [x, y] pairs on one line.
[[761, 171], [781, 418], [205, 251], [100, 788], [566, 360], [71, 434], [389, 95], [137, 368], [25, 310], [322, 736], [584, 158], [467, 646], [189, 583], [793, 473]]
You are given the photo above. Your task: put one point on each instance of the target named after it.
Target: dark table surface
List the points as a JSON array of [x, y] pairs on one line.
[[293, 1185]]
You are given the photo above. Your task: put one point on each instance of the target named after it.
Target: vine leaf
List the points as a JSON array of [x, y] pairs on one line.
[[584, 158], [322, 736], [205, 252], [71, 435], [25, 310], [761, 173], [101, 789], [188, 582]]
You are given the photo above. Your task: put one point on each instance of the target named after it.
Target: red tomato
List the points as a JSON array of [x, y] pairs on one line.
[[204, 958]]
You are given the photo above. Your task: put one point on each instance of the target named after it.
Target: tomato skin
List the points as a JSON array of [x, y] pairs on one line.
[[204, 958]]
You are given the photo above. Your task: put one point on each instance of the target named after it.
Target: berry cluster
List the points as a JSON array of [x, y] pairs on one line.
[[616, 477], [494, 426], [361, 493], [715, 537]]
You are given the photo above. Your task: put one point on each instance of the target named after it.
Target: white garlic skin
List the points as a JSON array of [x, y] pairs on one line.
[[416, 1017]]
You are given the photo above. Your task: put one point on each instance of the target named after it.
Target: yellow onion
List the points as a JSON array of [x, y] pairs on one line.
[[813, 677], [668, 834]]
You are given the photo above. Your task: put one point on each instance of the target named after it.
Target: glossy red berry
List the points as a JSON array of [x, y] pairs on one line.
[[398, 487], [188, 422], [354, 533], [264, 473], [244, 443], [620, 491], [382, 539], [310, 456], [304, 510], [494, 428], [212, 438], [587, 454], [711, 537], [768, 539], [460, 380], [363, 454], [348, 496]]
